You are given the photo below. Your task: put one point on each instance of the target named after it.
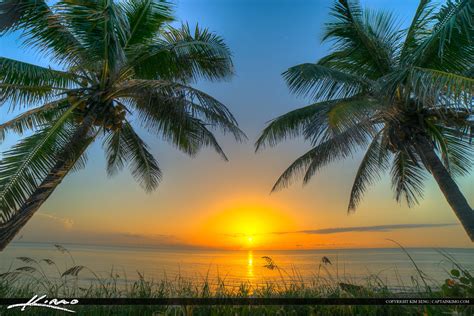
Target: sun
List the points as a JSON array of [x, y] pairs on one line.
[[244, 226]]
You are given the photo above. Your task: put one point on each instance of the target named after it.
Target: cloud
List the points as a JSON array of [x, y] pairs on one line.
[[337, 230], [375, 228], [144, 236], [59, 234], [52, 229], [66, 222]]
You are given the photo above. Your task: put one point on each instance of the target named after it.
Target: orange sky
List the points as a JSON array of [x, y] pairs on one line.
[[220, 214]]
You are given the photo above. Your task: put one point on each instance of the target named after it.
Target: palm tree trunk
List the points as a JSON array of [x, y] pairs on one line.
[[78, 144], [450, 189]]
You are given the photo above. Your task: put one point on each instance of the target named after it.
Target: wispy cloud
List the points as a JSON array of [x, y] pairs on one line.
[[66, 222], [60, 234], [145, 236], [337, 230], [375, 228]]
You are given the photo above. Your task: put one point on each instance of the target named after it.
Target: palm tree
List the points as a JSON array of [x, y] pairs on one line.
[[403, 96], [120, 63]]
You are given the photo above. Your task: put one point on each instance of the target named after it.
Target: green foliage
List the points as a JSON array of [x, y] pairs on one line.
[[27, 163], [374, 163], [460, 283], [121, 62], [321, 82], [146, 18], [26, 84], [183, 54], [34, 119], [126, 145], [43, 28], [387, 90]]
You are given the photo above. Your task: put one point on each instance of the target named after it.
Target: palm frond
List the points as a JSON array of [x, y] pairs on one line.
[[18, 72], [115, 151], [102, 28], [25, 165], [184, 54], [458, 157], [143, 166], [374, 163], [321, 82], [419, 28], [450, 44], [18, 95], [454, 16], [443, 88], [175, 121], [288, 125], [454, 147], [43, 28], [350, 112], [145, 18], [338, 147], [407, 177], [34, 118], [24, 83], [152, 93], [343, 144], [364, 44], [317, 121], [115, 32]]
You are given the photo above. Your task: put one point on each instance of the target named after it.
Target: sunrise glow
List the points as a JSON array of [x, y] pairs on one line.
[[248, 225]]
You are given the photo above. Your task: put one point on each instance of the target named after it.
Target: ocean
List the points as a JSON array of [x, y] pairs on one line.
[[390, 266]]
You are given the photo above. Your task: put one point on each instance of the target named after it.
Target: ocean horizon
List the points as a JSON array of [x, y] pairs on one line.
[[19, 243], [389, 266]]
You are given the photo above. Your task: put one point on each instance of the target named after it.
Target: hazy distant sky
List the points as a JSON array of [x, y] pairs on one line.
[[208, 202]]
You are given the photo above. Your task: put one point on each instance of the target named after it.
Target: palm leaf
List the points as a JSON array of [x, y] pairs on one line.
[[145, 18], [24, 83], [102, 28], [150, 95], [115, 152], [25, 165], [42, 27], [183, 54], [419, 27], [176, 123], [34, 118], [143, 166], [340, 146], [454, 147], [289, 125], [449, 46], [452, 90], [321, 82], [458, 157], [317, 121], [364, 45], [375, 162], [407, 177]]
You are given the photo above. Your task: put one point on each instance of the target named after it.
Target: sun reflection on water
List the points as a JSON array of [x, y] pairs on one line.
[[250, 265]]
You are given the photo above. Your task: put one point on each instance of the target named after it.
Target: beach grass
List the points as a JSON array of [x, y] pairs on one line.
[[76, 281]]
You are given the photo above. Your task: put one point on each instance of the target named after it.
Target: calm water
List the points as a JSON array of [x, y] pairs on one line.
[[391, 265]]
